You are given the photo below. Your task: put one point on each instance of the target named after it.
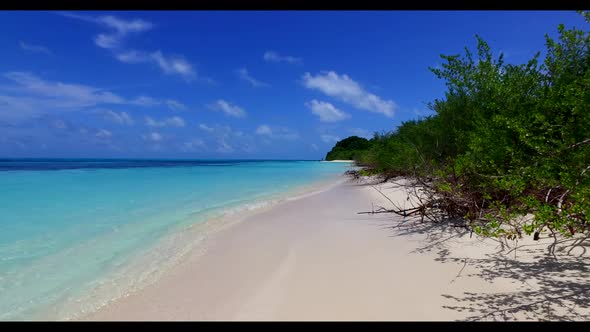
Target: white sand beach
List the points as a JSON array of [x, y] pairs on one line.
[[315, 258]]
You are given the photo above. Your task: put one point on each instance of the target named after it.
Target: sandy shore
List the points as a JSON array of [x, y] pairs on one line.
[[315, 258]]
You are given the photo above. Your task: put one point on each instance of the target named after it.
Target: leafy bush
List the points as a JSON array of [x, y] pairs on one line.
[[507, 140]]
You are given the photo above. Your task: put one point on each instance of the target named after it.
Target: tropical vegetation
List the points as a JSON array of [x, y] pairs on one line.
[[507, 140]]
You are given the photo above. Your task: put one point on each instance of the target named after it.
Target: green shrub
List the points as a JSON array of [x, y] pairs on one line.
[[511, 139]]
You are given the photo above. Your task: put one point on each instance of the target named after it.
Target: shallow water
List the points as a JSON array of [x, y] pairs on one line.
[[71, 227]]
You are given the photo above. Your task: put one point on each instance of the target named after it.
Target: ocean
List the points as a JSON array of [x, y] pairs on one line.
[[76, 234]]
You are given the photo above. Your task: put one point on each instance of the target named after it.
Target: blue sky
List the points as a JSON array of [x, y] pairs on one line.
[[250, 84]]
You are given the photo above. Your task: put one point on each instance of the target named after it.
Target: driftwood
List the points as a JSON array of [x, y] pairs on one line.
[[422, 197], [467, 209]]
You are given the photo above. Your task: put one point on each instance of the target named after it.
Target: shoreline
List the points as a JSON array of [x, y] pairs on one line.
[[147, 267], [315, 258], [337, 161]]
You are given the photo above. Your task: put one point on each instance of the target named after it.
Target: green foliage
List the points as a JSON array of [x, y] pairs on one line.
[[508, 139], [348, 149], [585, 14]]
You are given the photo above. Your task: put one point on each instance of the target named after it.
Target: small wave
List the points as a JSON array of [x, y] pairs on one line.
[[152, 262]]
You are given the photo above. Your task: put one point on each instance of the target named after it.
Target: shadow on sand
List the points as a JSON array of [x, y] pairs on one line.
[[554, 286]]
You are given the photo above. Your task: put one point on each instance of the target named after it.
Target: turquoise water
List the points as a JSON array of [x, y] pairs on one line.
[[68, 228]]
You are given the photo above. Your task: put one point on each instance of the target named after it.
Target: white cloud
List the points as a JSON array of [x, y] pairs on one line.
[[263, 130], [173, 65], [77, 16], [175, 105], [206, 128], [343, 88], [277, 132], [123, 27], [152, 123], [244, 75], [153, 137], [149, 121], [120, 28], [34, 48], [75, 94], [168, 64], [329, 138], [13, 109], [174, 121], [228, 108], [326, 111], [361, 132], [227, 139], [272, 56], [31, 96], [103, 133], [121, 118], [132, 57], [106, 41]]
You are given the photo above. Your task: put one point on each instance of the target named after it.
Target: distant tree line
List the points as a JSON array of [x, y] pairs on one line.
[[505, 141], [350, 148]]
